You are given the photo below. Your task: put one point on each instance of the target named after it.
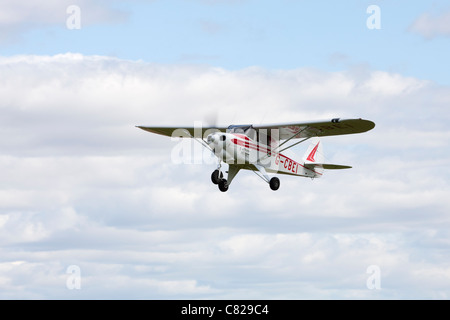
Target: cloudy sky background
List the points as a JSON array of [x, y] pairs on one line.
[[81, 186]]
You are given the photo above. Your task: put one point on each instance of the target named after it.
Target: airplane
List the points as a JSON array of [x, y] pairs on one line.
[[264, 149]]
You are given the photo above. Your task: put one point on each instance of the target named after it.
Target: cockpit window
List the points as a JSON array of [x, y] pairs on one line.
[[248, 130], [238, 129]]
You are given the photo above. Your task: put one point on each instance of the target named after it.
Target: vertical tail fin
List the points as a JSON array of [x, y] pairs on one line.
[[313, 158], [314, 153]]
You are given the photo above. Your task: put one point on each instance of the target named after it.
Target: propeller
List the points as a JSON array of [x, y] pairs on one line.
[[216, 141], [211, 118]]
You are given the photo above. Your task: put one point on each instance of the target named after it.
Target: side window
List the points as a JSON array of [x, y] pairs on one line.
[[264, 136], [251, 133]]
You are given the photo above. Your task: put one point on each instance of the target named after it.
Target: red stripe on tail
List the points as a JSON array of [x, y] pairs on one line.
[[313, 153]]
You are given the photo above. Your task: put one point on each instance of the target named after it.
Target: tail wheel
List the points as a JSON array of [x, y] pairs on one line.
[[274, 183], [223, 185], [216, 176]]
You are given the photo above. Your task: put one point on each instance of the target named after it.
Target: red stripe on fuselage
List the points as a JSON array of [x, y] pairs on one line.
[[242, 136], [250, 145], [246, 144]]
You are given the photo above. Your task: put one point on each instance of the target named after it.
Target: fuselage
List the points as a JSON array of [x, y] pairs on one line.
[[241, 150]]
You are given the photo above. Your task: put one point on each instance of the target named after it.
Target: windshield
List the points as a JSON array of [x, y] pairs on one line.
[[248, 130], [238, 129]]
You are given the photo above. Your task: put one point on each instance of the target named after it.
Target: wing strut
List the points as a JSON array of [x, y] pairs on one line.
[[292, 137], [290, 146], [203, 143], [262, 173], [296, 134], [294, 144]]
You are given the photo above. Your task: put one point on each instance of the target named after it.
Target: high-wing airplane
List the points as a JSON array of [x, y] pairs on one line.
[[265, 148]]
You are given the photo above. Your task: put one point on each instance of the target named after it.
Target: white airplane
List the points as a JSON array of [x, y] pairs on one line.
[[263, 149]]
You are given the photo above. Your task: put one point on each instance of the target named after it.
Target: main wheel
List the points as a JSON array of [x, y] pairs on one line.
[[274, 183], [223, 185], [216, 176]]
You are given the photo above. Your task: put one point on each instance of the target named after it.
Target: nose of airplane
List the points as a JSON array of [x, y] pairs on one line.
[[214, 139]]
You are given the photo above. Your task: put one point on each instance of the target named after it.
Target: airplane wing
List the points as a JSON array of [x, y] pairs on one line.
[[319, 129], [186, 132], [293, 130]]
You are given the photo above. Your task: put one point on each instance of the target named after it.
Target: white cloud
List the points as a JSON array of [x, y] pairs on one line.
[[431, 25], [82, 186], [388, 84]]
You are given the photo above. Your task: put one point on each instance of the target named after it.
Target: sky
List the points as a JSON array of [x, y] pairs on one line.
[[91, 207]]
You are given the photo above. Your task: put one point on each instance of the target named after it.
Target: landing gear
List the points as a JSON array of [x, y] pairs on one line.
[[274, 183], [223, 185], [216, 176]]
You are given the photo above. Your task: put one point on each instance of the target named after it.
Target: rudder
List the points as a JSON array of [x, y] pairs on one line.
[[314, 153]]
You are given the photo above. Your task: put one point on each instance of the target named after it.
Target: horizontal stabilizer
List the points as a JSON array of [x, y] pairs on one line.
[[334, 166], [312, 165]]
